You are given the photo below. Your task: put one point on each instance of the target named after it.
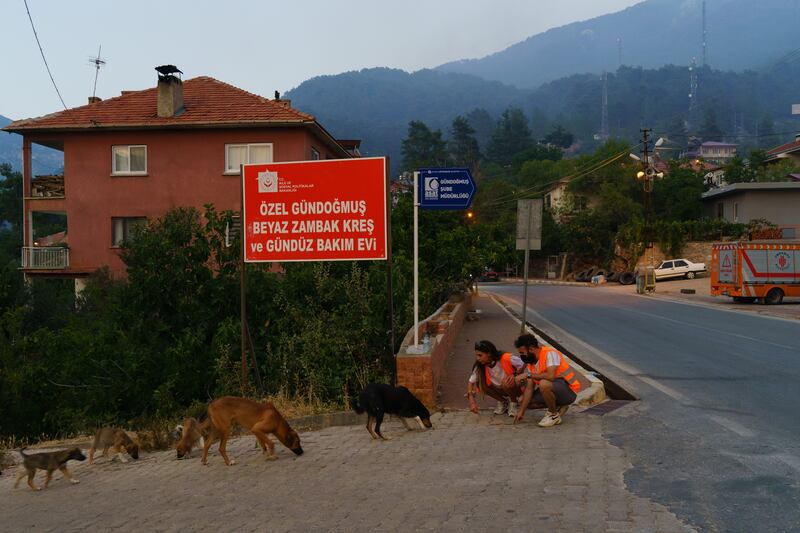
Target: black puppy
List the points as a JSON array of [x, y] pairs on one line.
[[378, 399]]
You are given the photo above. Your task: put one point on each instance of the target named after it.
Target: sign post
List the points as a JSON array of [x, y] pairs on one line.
[[324, 210], [442, 189], [529, 236]]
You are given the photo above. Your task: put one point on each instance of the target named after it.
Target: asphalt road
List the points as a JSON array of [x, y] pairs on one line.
[[715, 436]]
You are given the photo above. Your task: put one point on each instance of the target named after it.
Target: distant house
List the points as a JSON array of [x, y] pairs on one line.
[[713, 174], [786, 151], [717, 152], [564, 202], [132, 158], [775, 202]]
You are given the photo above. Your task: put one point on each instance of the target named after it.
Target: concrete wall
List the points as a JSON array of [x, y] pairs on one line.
[[421, 373], [185, 168], [696, 252]]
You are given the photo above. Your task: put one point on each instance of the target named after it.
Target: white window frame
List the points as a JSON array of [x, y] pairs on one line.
[[115, 172], [125, 221], [230, 171], [315, 155]]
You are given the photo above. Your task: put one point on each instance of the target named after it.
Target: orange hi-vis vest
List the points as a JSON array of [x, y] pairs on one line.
[[505, 362], [563, 371]]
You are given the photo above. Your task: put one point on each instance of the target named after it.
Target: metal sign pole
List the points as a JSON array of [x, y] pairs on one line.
[[525, 282], [416, 259], [389, 287], [242, 293]]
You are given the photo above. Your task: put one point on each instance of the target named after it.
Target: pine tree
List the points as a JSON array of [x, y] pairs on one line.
[[423, 147], [510, 136], [463, 146]]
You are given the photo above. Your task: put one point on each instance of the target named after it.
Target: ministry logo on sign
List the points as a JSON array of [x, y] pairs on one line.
[[431, 188], [267, 181]]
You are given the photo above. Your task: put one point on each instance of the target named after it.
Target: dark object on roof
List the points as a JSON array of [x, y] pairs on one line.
[[277, 95], [167, 70]]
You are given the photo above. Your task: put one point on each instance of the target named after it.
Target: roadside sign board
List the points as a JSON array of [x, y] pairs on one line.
[[445, 188], [529, 218], [331, 210]]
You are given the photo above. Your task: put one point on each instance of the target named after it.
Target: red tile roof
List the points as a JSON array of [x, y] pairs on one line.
[[788, 147], [207, 102]]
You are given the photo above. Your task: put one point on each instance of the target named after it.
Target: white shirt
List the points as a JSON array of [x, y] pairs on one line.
[[496, 372]]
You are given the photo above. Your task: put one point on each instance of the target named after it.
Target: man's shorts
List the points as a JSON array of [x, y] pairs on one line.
[[564, 395]]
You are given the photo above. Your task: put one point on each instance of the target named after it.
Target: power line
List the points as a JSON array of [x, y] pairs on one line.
[[42, 52]]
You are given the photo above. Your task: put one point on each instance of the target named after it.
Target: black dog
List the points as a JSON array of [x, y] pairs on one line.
[[378, 399]]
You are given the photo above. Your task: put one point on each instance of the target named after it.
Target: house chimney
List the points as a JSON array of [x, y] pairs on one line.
[[170, 92], [94, 99]]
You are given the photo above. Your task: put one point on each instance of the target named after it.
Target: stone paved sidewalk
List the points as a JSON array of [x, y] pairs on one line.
[[472, 472]]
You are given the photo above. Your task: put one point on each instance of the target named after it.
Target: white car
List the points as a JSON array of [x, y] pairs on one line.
[[679, 268]]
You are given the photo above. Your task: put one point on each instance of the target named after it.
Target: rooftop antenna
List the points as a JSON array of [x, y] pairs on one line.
[[98, 62]]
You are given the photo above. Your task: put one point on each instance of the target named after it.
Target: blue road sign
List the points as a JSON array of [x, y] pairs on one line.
[[445, 188]]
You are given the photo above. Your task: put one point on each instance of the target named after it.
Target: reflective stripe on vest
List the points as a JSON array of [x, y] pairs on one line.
[[505, 363], [562, 371]]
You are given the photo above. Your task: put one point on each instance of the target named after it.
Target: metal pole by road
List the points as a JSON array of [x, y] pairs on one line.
[[416, 259], [525, 280], [242, 291], [389, 287]]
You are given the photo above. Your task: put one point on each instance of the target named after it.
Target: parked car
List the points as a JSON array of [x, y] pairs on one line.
[[679, 268], [489, 275]]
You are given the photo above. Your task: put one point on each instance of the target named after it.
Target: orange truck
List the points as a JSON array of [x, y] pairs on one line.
[[766, 271]]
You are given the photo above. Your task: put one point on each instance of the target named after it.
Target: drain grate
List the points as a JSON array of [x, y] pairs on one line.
[[606, 407]]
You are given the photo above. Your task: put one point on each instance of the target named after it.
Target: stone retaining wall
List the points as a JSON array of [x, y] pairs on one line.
[[421, 372]]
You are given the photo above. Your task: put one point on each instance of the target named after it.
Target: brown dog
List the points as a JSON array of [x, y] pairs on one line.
[[259, 418], [116, 439], [191, 433], [50, 461]]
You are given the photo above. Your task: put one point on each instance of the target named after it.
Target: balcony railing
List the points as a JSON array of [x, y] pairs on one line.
[[45, 258], [47, 186]]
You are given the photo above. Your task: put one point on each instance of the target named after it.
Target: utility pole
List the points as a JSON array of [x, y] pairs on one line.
[[647, 176]]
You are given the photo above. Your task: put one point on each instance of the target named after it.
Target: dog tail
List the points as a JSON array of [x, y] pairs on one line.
[[355, 403], [22, 451]]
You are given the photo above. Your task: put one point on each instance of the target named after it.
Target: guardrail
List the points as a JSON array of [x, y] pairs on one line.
[[46, 258]]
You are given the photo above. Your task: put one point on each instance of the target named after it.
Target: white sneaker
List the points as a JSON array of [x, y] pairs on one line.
[[512, 409], [549, 420], [562, 410], [502, 407]]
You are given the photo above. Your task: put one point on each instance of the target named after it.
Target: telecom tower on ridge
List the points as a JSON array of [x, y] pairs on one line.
[[604, 130]]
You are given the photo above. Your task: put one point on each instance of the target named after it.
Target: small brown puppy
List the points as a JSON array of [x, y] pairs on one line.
[[259, 418], [116, 439], [50, 461], [191, 434]]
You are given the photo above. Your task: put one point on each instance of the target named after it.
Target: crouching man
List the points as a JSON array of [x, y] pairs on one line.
[[494, 375], [548, 380]]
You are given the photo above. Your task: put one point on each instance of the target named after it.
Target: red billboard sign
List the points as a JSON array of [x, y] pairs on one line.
[[333, 210]]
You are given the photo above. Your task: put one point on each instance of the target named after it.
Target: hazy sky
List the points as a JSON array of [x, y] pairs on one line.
[[260, 46]]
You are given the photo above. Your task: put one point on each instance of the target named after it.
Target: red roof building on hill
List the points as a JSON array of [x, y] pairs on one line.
[[134, 157]]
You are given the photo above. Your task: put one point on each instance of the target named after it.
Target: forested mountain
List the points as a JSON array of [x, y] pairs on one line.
[[752, 108], [44, 160], [741, 34]]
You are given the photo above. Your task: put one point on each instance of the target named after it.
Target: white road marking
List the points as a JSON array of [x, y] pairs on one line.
[[733, 426]]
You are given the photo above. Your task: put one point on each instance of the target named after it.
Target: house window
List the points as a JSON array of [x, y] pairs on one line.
[[128, 160], [314, 154], [243, 154], [122, 228], [548, 200], [720, 210], [735, 212]]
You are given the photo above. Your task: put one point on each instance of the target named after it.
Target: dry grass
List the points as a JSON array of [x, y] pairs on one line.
[[299, 406]]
